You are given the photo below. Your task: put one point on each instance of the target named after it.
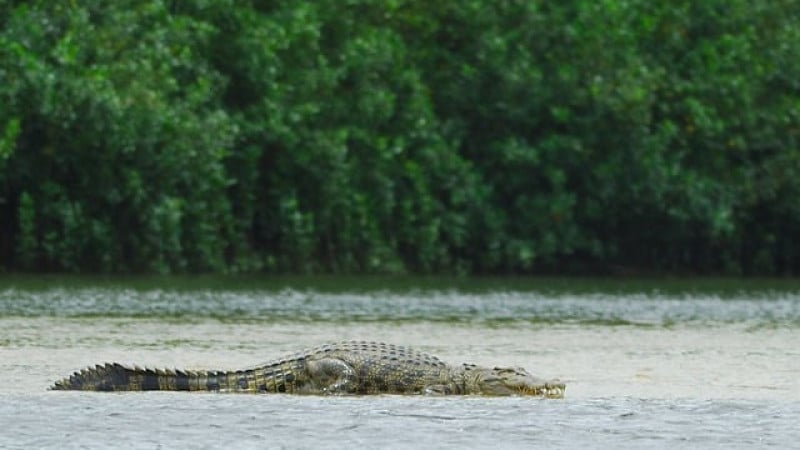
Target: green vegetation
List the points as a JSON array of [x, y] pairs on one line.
[[392, 136]]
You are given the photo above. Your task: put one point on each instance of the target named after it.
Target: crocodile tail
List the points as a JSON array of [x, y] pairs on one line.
[[117, 377]]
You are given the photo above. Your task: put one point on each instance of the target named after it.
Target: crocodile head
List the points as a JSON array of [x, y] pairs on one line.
[[510, 381]]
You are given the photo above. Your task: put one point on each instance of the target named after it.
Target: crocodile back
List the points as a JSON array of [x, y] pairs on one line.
[[381, 368]]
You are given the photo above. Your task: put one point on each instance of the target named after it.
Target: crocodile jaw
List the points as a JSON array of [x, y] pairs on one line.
[[511, 381]]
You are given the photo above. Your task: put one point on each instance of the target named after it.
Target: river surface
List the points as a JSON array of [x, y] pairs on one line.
[[647, 363]]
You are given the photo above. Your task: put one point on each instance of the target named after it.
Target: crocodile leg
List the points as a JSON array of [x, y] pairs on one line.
[[437, 390], [333, 375]]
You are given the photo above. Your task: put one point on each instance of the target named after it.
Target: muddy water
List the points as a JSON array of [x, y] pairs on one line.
[[654, 365]]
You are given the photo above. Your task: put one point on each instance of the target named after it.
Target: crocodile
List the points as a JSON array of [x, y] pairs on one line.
[[350, 367]]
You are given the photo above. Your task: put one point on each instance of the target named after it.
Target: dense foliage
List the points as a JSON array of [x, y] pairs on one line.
[[470, 136]]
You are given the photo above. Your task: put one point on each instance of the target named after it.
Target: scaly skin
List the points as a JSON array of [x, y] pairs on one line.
[[353, 367]]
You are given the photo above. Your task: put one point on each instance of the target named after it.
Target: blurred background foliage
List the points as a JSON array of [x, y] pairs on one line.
[[400, 136]]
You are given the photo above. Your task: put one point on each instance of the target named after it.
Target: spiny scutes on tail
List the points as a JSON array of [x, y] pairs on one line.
[[117, 377]]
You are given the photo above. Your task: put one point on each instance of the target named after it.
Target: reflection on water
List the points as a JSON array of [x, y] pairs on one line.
[[643, 367]]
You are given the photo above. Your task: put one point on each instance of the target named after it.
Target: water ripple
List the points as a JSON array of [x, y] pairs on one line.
[[767, 309]]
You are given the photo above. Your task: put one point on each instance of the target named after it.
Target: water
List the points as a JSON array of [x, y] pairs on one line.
[[700, 364]]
